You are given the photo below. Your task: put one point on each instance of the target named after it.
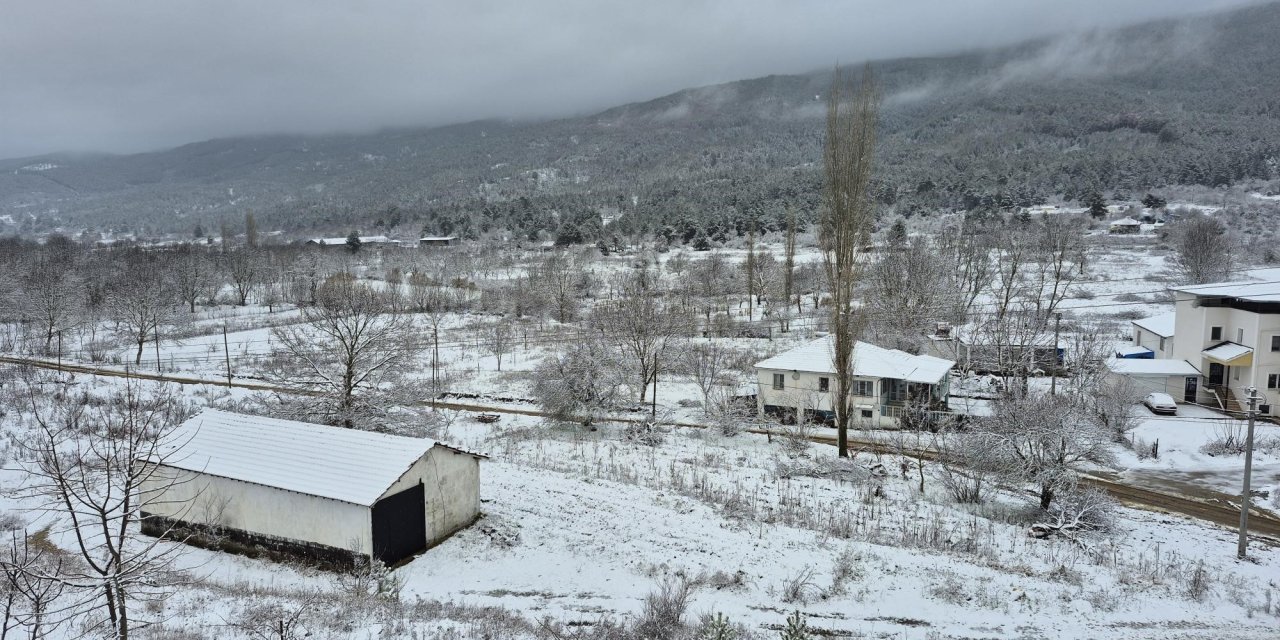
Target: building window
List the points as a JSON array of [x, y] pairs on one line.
[[824, 384], [1162, 344], [1215, 333], [1240, 336], [779, 381], [863, 388], [866, 413], [1275, 343], [1273, 380]]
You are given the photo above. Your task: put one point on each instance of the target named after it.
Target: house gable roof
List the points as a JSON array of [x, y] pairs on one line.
[[1161, 325], [1156, 367], [869, 361], [348, 465]]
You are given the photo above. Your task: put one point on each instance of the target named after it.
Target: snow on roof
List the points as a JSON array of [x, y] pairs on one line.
[[331, 462], [869, 361], [437, 238], [363, 240], [1227, 351], [1267, 291], [1161, 325], [1132, 349], [1156, 367], [1125, 222]]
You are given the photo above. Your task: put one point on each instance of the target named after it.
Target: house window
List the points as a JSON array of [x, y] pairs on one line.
[[779, 381], [1273, 380], [1162, 344], [863, 388], [1240, 336], [1215, 333], [824, 384], [866, 413], [1275, 343]]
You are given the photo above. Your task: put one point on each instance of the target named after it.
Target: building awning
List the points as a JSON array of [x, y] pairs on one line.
[[1229, 353]]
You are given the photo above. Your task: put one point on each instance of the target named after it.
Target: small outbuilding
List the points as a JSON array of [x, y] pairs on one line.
[[298, 489], [1178, 378], [437, 241], [1125, 225]]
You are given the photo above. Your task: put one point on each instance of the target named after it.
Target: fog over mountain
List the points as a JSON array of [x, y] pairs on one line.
[[1180, 101], [144, 75]]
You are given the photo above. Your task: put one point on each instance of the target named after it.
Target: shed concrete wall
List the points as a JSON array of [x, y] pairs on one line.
[[210, 500], [451, 483]]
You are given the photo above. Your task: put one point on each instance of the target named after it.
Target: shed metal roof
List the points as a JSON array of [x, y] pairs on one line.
[[330, 462], [869, 361], [1156, 367]]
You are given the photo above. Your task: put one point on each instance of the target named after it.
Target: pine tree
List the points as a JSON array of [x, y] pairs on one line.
[[1097, 205], [353, 241], [718, 628], [797, 628]]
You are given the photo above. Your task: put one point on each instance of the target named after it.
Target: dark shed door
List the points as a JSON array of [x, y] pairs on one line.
[[400, 525]]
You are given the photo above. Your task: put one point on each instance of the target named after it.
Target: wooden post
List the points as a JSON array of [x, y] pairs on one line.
[[226, 349]]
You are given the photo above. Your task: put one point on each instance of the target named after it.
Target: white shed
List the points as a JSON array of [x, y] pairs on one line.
[[1178, 378], [312, 490]]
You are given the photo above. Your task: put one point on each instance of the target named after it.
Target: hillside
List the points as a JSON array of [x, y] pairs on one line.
[[1194, 102]]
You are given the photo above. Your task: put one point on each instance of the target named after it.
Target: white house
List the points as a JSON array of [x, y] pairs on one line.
[[800, 382], [1231, 332], [293, 488], [1156, 334]]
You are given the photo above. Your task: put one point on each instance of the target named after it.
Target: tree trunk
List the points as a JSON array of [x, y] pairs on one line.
[[1046, 497]]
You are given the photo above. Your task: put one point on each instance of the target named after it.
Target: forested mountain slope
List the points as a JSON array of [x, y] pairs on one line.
[[1194, 101]]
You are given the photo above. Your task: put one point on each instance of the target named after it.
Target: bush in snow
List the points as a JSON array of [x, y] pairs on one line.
[[662, 615], [796, 629]]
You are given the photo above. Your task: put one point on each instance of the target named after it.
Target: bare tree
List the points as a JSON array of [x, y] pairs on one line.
[[32, 572], [92, 466], [910, 287], [642, 327], [245, 268], [436, 303], [350, 349], [52, 298], [497, 339], [1041, 440], [142, 301], [788, 271], [560, 279], [193, 275], [1204, 250], [580, 384], [846, 224], [710, 365]]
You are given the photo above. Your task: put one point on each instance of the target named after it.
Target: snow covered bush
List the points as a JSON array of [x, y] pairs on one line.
[[664, 609]]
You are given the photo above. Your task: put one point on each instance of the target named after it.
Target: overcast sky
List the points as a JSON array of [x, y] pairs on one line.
[[97, 75]]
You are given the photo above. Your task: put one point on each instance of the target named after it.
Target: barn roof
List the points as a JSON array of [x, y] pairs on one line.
[[869, 361], [331, 462]]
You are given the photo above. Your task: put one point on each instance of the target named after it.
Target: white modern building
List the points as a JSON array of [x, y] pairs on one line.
[[298, 489], [1231, 332], [799, 384]]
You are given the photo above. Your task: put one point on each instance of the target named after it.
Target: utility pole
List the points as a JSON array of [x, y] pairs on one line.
[[59, 349], [157, 332], [654, 411], [227, 351], [1245, 498], [1053, 375]]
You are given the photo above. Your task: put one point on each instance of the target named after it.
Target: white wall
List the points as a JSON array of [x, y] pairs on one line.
[[201, 499], [802, 393], [451, 484], [1172, 385], [1144, 338]]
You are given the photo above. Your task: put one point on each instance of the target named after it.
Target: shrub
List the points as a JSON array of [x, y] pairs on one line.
[[664, 609]]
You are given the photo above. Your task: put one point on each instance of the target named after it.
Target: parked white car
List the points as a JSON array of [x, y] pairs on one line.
[[1161, 403]]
